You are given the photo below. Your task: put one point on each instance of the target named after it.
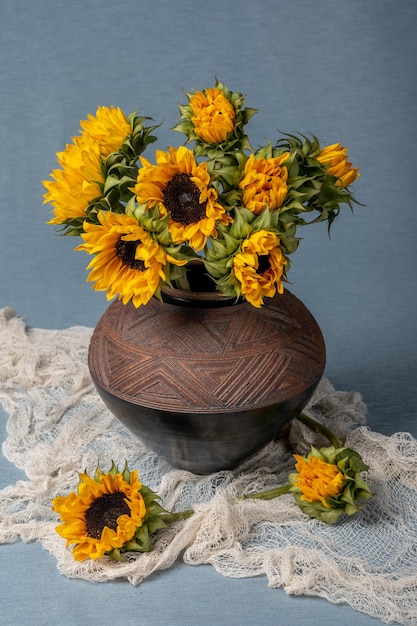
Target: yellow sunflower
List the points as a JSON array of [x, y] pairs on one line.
[[109, 128], [104, 514], [214, 115], [259, 267], [336, 156], [77, 184], [182, 189], [264, 183], [80, 179], [127, 261], [317, 480]]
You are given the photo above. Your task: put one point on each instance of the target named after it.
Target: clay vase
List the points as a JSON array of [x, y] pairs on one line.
[[202, 380]]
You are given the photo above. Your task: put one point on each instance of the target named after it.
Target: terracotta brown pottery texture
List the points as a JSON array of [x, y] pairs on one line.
[[203, 381]]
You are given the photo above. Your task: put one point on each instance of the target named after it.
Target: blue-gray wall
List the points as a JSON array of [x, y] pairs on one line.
[[342, 70]]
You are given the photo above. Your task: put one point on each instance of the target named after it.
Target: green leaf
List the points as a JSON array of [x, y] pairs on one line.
[[143, 539]]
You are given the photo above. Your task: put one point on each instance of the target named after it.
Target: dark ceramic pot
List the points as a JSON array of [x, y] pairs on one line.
[[202, 380]]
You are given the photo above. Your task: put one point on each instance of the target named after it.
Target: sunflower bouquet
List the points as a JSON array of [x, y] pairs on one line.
[[231, 208]]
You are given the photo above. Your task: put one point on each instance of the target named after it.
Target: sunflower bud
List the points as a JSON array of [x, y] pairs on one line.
[[336, 157], [327, 483], [215, 117]]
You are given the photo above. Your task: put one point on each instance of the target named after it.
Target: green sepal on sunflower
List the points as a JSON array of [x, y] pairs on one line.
[[133, 146], [318, 178], [226, 173], [120, 168], [214, 119]]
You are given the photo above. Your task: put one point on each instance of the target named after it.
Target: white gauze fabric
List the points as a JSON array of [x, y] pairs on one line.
[[58, 426]]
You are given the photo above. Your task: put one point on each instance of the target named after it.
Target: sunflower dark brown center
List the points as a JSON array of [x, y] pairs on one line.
[[263, 263], [105, 511], [182, 200], [126, 251]]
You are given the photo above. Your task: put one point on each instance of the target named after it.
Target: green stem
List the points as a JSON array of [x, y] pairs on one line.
[[182, 282], [170, 518], [269, 494], [319, 428]]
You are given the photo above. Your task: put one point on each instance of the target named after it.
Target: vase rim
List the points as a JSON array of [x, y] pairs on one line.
[[182, 297], [196, 296]]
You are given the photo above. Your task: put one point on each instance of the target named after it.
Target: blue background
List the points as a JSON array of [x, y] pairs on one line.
[[342, 70]]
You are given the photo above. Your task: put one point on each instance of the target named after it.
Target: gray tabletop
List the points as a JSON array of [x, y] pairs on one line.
[[344, 71]]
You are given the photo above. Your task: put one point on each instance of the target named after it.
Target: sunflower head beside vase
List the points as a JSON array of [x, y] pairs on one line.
[[214, 200]]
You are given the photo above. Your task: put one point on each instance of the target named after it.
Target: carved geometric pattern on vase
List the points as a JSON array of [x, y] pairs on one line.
[[171, 357]]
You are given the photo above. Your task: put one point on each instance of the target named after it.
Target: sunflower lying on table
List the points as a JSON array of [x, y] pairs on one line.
[[113, 513], [110, 514]]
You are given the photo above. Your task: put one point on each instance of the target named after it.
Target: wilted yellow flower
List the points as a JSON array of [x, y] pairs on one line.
[[259, 267], [181, 187], [109, 127], [264, 183], [336, 156], [127, 261], [214, 115]]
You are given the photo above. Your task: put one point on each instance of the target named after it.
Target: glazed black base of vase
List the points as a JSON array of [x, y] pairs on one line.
[[205, 443]]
